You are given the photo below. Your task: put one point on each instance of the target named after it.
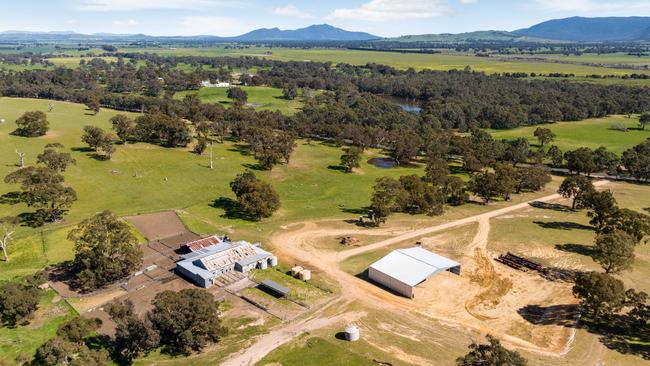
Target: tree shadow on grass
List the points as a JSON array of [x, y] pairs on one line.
[[98, 157], [619, 332], [11, 198], [356, 211], [563, 225], [581, 249], [85, 149], [232, 209], [243, 149], [551, 206], [31, 219], [564, 315], [457, 169], [255, 166], [337, 168]]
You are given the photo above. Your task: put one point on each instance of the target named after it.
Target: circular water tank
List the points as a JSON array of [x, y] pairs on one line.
[[352, 333]]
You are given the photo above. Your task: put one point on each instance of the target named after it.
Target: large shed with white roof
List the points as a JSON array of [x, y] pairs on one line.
[[403, 269]]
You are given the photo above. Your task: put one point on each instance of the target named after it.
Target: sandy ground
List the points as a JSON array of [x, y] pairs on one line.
[[485, 298]]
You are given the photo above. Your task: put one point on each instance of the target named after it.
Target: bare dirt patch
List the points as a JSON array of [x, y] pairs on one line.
[[159, 225]]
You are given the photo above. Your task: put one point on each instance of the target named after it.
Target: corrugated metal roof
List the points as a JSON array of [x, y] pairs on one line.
[[413, 265], [203, 243], [275, 287]]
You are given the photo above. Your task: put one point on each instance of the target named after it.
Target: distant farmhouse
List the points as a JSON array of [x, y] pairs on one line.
[[403, 269], [218, 84], [213, 257]]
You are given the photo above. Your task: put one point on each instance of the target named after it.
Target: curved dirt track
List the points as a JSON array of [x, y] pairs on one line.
[[296, 244]]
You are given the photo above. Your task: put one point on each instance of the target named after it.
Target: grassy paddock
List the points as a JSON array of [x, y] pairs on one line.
[[591, 133], [315, 351], [145, 178], [259, 97], [442, 61]]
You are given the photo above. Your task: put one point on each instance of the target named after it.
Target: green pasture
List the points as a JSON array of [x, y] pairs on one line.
[[316, 351], [23, 341], [144, 178], [441, 61], [259, 97], [591, 133]]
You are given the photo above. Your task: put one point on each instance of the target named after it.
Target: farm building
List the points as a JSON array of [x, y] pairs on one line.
[[403, 269], [218, 84], [202, 243], [205, 264]]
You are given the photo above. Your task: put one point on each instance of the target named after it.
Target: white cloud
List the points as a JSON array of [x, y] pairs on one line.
[[383, 10], [126, 23], [210, 25], [468, 1], [133, 5], [592, 6], [292, 12]]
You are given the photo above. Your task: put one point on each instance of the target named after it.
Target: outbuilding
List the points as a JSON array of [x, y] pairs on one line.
[[403, 269]]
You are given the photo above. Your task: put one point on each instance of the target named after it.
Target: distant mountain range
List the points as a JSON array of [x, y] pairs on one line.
[[480, 36], [322, 32], [575, 29]]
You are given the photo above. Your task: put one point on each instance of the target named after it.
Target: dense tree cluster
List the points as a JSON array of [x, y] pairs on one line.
[[105, 251], [492, 353], [99, 140], [255, 197], [32, 124], [43, 188], [73, 345], [269, 147], [187, 320], [453, 99], [18, 301]]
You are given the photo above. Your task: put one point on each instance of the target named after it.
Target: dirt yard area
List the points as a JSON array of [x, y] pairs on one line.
[[158, 225], [487, 298]]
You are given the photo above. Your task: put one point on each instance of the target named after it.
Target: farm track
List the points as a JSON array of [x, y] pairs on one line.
[[296, 245]]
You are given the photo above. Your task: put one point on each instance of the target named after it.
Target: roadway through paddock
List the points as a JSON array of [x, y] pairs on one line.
[[295, 244]]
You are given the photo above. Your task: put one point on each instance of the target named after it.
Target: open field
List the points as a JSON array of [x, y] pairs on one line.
[[580, 66], [591, 133], [443, 61], [169, 179], [316, 201], [259, 97]]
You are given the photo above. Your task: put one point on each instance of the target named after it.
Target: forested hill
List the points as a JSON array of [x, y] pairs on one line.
[[478, 36], [580, 29]]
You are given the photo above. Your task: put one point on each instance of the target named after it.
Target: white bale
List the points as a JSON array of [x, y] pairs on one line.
[[263, 264], [305, 275], [295, 270], [274, 261]]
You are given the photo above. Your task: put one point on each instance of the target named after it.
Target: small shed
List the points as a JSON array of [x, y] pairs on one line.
[[274, 288]]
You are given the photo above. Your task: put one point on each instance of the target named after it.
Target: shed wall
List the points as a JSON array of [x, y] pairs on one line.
[[390, 282]]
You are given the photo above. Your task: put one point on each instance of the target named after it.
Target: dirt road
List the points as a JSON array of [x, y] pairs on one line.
[[267, 343], [297, 244]]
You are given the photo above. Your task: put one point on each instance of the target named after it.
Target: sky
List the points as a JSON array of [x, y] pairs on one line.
[[233, 17]]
